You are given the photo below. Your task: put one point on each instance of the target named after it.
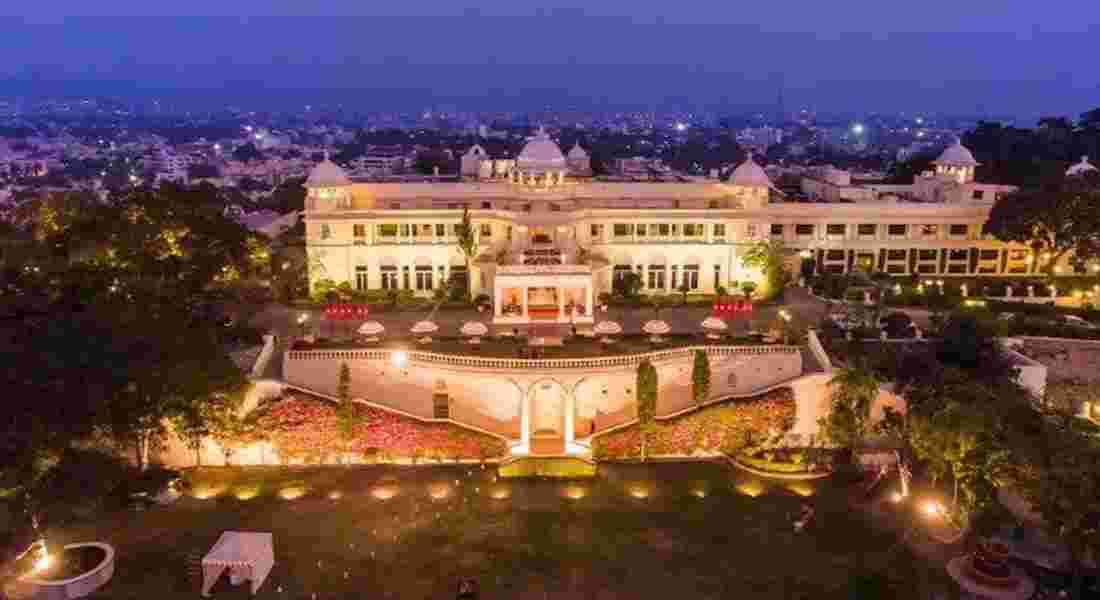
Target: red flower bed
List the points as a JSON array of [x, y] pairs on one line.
[[306, 428], [726, 427]]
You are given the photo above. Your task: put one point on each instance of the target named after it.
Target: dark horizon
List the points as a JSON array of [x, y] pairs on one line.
[[562, 58]]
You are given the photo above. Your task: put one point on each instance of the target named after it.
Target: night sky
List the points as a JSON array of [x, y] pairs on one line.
[[1003, 57]]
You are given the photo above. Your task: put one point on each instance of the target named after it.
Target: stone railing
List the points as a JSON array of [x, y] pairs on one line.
[[480, 362]]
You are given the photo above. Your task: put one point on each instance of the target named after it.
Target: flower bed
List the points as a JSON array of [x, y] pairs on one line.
[[726, 427], [786, 461], [306, 429]]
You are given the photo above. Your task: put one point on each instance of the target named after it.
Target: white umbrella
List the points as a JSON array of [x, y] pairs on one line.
[[714, 326], [656, 327], [424, 328], [371, 329], [474, 329], [608, 328]]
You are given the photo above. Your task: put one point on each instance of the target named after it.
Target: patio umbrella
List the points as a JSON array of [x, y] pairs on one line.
[[474, 329], [714, 327], [606, 328], [656, 329], [371, 329], [424, 329]]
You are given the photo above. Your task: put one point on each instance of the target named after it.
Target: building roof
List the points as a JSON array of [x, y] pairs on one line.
[[327, 174], [1080, 168], [541, 153], [576, 152], [956, 155], [749, 173]]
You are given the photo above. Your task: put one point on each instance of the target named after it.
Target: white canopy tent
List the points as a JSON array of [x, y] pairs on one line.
[[247, 554]]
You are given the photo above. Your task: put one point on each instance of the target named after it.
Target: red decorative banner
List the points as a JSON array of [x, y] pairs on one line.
[[727, 305], [345, 312]]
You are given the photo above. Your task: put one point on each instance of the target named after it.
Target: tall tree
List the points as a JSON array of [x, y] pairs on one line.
[[646, 393], [853, 391], [700, 377], [770, 257], [1055, 220], [467, 243], [346, 416]]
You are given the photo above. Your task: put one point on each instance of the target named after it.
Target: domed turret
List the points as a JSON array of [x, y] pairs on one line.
[[327, 174], [541, 155], [750, 174], [577, 153], [1080, 169], [956, 155]]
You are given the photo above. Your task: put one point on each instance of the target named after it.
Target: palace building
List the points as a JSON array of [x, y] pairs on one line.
[[551, 238]]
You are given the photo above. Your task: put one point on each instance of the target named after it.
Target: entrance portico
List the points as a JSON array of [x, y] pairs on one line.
[[543, 293]]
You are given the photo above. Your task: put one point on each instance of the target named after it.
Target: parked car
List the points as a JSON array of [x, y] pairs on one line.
[[1075, 321]]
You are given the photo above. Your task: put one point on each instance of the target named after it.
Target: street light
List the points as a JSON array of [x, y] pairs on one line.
[[302, 319]]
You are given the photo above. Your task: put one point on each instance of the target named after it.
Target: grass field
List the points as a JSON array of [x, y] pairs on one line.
[[673, 530]]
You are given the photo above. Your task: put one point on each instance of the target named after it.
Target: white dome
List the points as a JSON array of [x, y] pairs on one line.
[[956, 155], [577, 153], [749, 173], [327, 174], [1080, 168], [541, 153]]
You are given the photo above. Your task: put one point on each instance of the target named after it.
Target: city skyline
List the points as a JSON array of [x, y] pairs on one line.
[[506, 57]]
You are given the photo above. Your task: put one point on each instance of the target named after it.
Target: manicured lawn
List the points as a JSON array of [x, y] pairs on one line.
[[696, 530]]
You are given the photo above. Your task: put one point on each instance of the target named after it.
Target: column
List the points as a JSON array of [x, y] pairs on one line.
[[498, 304], [570, 409], [525, 421], [561, 301], [524, 292], [589, 305]]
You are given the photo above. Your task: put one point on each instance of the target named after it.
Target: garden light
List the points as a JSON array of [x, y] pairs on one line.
[[699, 493], [639, 491], [335, 495], [43, 561], [751, 489], [384, 492], [400, 359], [932, 508], [575, 492], [439, 491], [896, 497], [500, 493], [292, 493]]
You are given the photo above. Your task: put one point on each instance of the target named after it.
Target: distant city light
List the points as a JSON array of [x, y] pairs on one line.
[[681, 127], [920, 121], [857, 128]]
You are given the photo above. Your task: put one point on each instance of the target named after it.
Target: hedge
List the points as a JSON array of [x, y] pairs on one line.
[[728, 427]]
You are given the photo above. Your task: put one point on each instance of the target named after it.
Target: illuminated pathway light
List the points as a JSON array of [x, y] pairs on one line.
[[292, 493], [384, 492], [335, 495], [439, 491], [802, 489], [574, 492], [500, 492], [247, 492], [205, 493], [751, 489]]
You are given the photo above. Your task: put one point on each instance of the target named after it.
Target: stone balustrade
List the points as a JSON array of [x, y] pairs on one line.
[[481, 362]]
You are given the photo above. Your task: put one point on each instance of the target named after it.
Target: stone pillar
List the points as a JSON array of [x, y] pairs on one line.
[[561, 302], [524, 300], [498, 304], [590, 306], [525, 420], [570, 411]]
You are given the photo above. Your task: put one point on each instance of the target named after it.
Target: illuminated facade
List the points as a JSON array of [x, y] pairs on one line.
[[551, 240]]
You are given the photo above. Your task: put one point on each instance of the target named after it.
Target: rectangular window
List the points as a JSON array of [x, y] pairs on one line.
[[776, 229], [897, 229], [989, 254], [361, 278], [1017, 254], [928, 255], [508, 233], [895, 269], [405, 283], [804, 229], [717, 276], [406, 230], [719, 230], [656, 277], [929, 230], [959, 229], [440, 230], [389, 278], [640, 229], [895, 254], [956, 269], [675, 283], [866, 229], [486, 205], [424, 278], [622, 229], [595, 231], [359, 231], [958, 254], [326, 232], [978, 194], [675, 228], [486, 230], [620, 271], [750, 230], [834, 229], [395, 205], [926, 269], [689, 230], [834, 255], [663, 229], [691, 276]]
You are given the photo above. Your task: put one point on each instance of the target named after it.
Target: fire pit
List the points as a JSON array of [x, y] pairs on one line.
[[73, 572], [987, 573]]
